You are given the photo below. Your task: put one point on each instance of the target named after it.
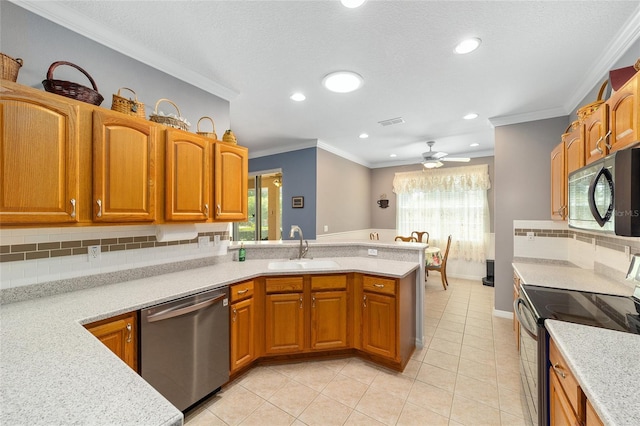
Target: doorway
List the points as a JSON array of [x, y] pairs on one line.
[[264, 208]]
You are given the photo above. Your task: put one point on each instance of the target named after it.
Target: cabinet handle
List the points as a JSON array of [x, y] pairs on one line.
[[313, 301], [235, 313], [558, 370], [300, 302], [243, 291], [364, 301], [129, 330], [99, 203], [379, 285], [219, 209], [606, 138], [206, 209], [73, 204]]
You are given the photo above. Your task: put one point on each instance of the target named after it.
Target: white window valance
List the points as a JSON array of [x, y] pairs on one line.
[[466, 178]]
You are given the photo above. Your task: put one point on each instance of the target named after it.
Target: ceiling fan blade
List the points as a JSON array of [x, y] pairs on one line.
[[439, 154], [457, 159]]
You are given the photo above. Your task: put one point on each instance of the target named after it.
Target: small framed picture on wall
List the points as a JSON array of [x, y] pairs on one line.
[[297, 202]]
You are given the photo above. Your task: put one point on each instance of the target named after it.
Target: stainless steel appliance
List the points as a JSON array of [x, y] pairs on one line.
[[184, 346], [537, 304], [605, 195]]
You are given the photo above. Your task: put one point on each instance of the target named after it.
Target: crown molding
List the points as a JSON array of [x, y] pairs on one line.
[[343, 154], [68, 18], [506, 120], [311, 143]]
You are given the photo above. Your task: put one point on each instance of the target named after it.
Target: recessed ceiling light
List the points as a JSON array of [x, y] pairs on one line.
[[475, 144], [342, 81], [470, 116], [298, 97], [363, 136], [352, 4], [468, 45], [393, 156]]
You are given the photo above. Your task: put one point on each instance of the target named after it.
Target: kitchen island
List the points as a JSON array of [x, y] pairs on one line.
[[53, 371]]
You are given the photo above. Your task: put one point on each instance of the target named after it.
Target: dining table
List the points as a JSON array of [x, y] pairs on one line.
[[433, 256]]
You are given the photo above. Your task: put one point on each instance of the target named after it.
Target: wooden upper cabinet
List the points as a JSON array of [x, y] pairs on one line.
[[574, 147], [558, 183], [39, 160], [596, 127], [124, 162], [625, 117], [186, 177], [231, 169]]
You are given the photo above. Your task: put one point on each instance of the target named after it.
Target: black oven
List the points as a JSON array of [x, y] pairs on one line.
[[537, 304]]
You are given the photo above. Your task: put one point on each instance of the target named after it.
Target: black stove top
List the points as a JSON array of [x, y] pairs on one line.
[[582, 307]]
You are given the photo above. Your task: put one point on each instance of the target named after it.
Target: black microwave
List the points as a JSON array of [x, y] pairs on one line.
[[605, 195]]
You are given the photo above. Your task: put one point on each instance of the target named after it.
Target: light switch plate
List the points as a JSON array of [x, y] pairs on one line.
[[372, 252]]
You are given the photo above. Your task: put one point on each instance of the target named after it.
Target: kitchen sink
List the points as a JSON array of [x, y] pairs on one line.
[[301, 264]]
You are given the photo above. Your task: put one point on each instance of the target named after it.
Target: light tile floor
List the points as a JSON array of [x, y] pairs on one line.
[[466, 374]]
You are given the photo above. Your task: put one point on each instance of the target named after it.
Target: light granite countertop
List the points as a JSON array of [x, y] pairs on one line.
[[569, 277], [607, 366], [53, 371]]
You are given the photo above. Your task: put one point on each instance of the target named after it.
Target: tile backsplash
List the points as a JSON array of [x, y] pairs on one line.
[[37, 255]]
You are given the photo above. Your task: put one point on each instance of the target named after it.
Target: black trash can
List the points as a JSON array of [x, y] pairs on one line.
[[488, 280]]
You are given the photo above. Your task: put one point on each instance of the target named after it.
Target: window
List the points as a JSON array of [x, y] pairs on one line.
[[450, 201]]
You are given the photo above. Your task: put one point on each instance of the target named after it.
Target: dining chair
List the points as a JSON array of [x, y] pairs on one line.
[[374, 236], [442, 268], [406, 239], [419, 236]]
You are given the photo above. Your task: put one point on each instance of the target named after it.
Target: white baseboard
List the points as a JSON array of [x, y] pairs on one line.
[[502, 314]]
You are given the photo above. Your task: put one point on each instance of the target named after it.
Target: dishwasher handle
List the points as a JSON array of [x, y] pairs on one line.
[[176, 312]]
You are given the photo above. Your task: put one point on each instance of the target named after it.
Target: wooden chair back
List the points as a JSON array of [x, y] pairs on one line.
[[419, 236], [406, 239]]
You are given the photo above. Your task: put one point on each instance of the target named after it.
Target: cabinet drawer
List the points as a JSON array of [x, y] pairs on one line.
[[241, 291], [284, 284], [379, 285], [565, 377], [328, 282]]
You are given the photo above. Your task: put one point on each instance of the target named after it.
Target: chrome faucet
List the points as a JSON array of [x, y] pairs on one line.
[[303, 250]]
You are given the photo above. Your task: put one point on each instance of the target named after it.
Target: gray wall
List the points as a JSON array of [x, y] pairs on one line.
[[382, 183], [298, 179], [40, 42], [523, 189], [344, 202]]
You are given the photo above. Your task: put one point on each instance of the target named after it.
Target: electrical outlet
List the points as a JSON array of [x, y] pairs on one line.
[[326, 228], [627, 252], [216, 240], [93, 253], [531, 236], [372, 252], [203, 242]]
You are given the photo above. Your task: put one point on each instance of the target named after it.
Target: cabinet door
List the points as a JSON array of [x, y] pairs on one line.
[[329, 320], [231, 166], [379, 324], [187, 177], [596, 127], [625, 117], [242, 337], [284, 323], [39, 160], [516, 295], [119, 334], [560, 410], [574, 148], [558, 183], [592, 417], [124, 161]]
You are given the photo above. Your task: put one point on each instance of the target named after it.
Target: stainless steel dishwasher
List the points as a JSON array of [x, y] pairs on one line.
[[184, 346]]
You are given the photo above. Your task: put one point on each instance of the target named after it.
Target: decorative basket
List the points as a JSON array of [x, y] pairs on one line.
[[229, 137], [172, 120], [585, 111], [70, 89], [128, 106], [9, 67], [212, 134]]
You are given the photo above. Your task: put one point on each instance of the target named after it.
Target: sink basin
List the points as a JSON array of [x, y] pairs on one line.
[[295, 264]]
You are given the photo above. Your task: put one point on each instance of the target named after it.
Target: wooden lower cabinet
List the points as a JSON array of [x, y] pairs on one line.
[[284, 321], [242, 336], [516, 295], [592, 417], [379, 324], [119, 334], [329, 320], [561, 411]]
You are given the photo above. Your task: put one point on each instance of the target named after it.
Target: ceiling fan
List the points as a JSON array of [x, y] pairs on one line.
[[432, 159]]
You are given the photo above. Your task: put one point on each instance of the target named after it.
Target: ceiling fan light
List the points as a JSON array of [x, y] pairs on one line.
[[342, 81], [432, 164], [467, 46]]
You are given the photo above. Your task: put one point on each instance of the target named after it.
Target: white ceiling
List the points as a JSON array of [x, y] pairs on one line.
[[537, 60]]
